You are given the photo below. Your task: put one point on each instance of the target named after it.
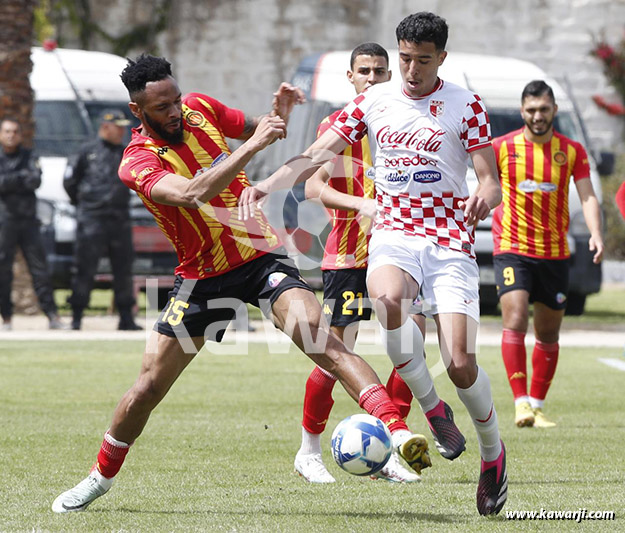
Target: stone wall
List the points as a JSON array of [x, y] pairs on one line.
[[239, 50]]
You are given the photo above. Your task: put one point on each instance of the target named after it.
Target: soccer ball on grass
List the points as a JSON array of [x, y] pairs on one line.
[[361, 444]]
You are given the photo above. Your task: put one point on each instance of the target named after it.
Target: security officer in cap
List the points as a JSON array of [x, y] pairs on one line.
[[103, 216]]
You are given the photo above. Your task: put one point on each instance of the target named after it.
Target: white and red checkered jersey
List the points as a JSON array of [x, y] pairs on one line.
[[422, 148]]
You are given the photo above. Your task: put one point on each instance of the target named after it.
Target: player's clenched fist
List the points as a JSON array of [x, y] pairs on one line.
[[268, 130], [285, 98]]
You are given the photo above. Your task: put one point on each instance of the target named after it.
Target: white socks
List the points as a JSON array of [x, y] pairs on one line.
[[404, 346], [311, 443], [479, 402], [536, 403], [521, 399]]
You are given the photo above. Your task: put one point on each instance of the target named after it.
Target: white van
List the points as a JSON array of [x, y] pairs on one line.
[[499, 82], [72, 88]]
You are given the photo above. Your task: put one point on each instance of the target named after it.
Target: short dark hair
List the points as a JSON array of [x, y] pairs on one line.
[[423, 27], [537, 88], [144, 69], [368, 49]]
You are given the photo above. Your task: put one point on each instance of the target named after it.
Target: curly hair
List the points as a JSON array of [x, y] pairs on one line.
[[144, 69], [423, 27]]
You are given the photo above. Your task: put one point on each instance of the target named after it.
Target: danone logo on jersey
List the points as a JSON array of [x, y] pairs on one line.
[[424, 139], [426, 176]]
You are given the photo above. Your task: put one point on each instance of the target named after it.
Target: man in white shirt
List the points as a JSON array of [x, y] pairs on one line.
[[423, 233]]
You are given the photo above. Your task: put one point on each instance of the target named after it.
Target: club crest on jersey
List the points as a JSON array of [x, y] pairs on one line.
[[437, 108], [559, 158], [194, 118]]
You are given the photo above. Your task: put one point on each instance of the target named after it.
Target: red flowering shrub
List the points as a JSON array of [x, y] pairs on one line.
[[613, 60]]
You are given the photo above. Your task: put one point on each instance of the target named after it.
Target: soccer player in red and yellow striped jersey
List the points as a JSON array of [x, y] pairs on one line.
[[180, 164], [344, 268], [530, 246], [210, 241]]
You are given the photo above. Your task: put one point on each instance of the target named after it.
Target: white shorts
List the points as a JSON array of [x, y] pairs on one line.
[[449, 280]]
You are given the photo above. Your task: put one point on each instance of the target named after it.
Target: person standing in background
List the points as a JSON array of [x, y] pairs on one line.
[[531, 253], [20, 176], [104, 225]]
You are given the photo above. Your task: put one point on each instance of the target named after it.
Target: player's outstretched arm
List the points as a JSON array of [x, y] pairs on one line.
[[180, 191], [318, 188], [294, 171], [487, 195], [592, 216], [284, 100]]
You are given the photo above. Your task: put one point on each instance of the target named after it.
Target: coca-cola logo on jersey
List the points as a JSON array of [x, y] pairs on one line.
[[424, 139]]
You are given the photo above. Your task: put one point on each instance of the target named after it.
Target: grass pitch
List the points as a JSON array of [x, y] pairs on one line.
[[217, 454]]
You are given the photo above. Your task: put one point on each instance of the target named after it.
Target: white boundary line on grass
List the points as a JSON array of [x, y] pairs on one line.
[[619, 364]]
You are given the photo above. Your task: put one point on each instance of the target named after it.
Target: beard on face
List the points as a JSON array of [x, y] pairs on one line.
[[172, 137], [544, 127]]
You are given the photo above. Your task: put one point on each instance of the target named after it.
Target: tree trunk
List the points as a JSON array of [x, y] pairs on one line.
[[16, 100]]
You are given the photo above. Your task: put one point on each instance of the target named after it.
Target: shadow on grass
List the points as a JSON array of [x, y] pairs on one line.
[[395, 516]]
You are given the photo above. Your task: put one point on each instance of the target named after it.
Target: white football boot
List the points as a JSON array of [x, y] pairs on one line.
[[394, 471], [79, 498], [311, 468]]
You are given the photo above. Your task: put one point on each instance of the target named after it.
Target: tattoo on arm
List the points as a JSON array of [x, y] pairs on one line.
[[250, 125]]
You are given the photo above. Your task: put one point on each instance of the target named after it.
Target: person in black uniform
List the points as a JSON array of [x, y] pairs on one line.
[[104, 226], [20, 176]]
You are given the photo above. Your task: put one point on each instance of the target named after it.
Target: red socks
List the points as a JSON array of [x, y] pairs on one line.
[[111, 456], [318, 400], [514, 359], [376, 401], [544, 362], [400, 393]]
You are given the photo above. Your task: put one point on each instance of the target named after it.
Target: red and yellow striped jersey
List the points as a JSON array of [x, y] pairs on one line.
[[209, 240], [347, 243], [533, 217]]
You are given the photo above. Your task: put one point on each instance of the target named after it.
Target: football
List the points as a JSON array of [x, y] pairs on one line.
[[361, 444]]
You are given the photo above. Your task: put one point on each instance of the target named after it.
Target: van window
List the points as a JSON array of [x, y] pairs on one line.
[[59, 128]]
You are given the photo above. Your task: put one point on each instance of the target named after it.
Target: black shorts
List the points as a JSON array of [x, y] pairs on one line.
[[205, 307], [547, 280], [345, 296]]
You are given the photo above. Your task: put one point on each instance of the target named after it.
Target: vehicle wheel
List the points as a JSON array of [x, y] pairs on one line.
[[575, 304]]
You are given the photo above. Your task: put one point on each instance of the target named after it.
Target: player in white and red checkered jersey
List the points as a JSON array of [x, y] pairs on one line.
[[421, 157], [423, 135]]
